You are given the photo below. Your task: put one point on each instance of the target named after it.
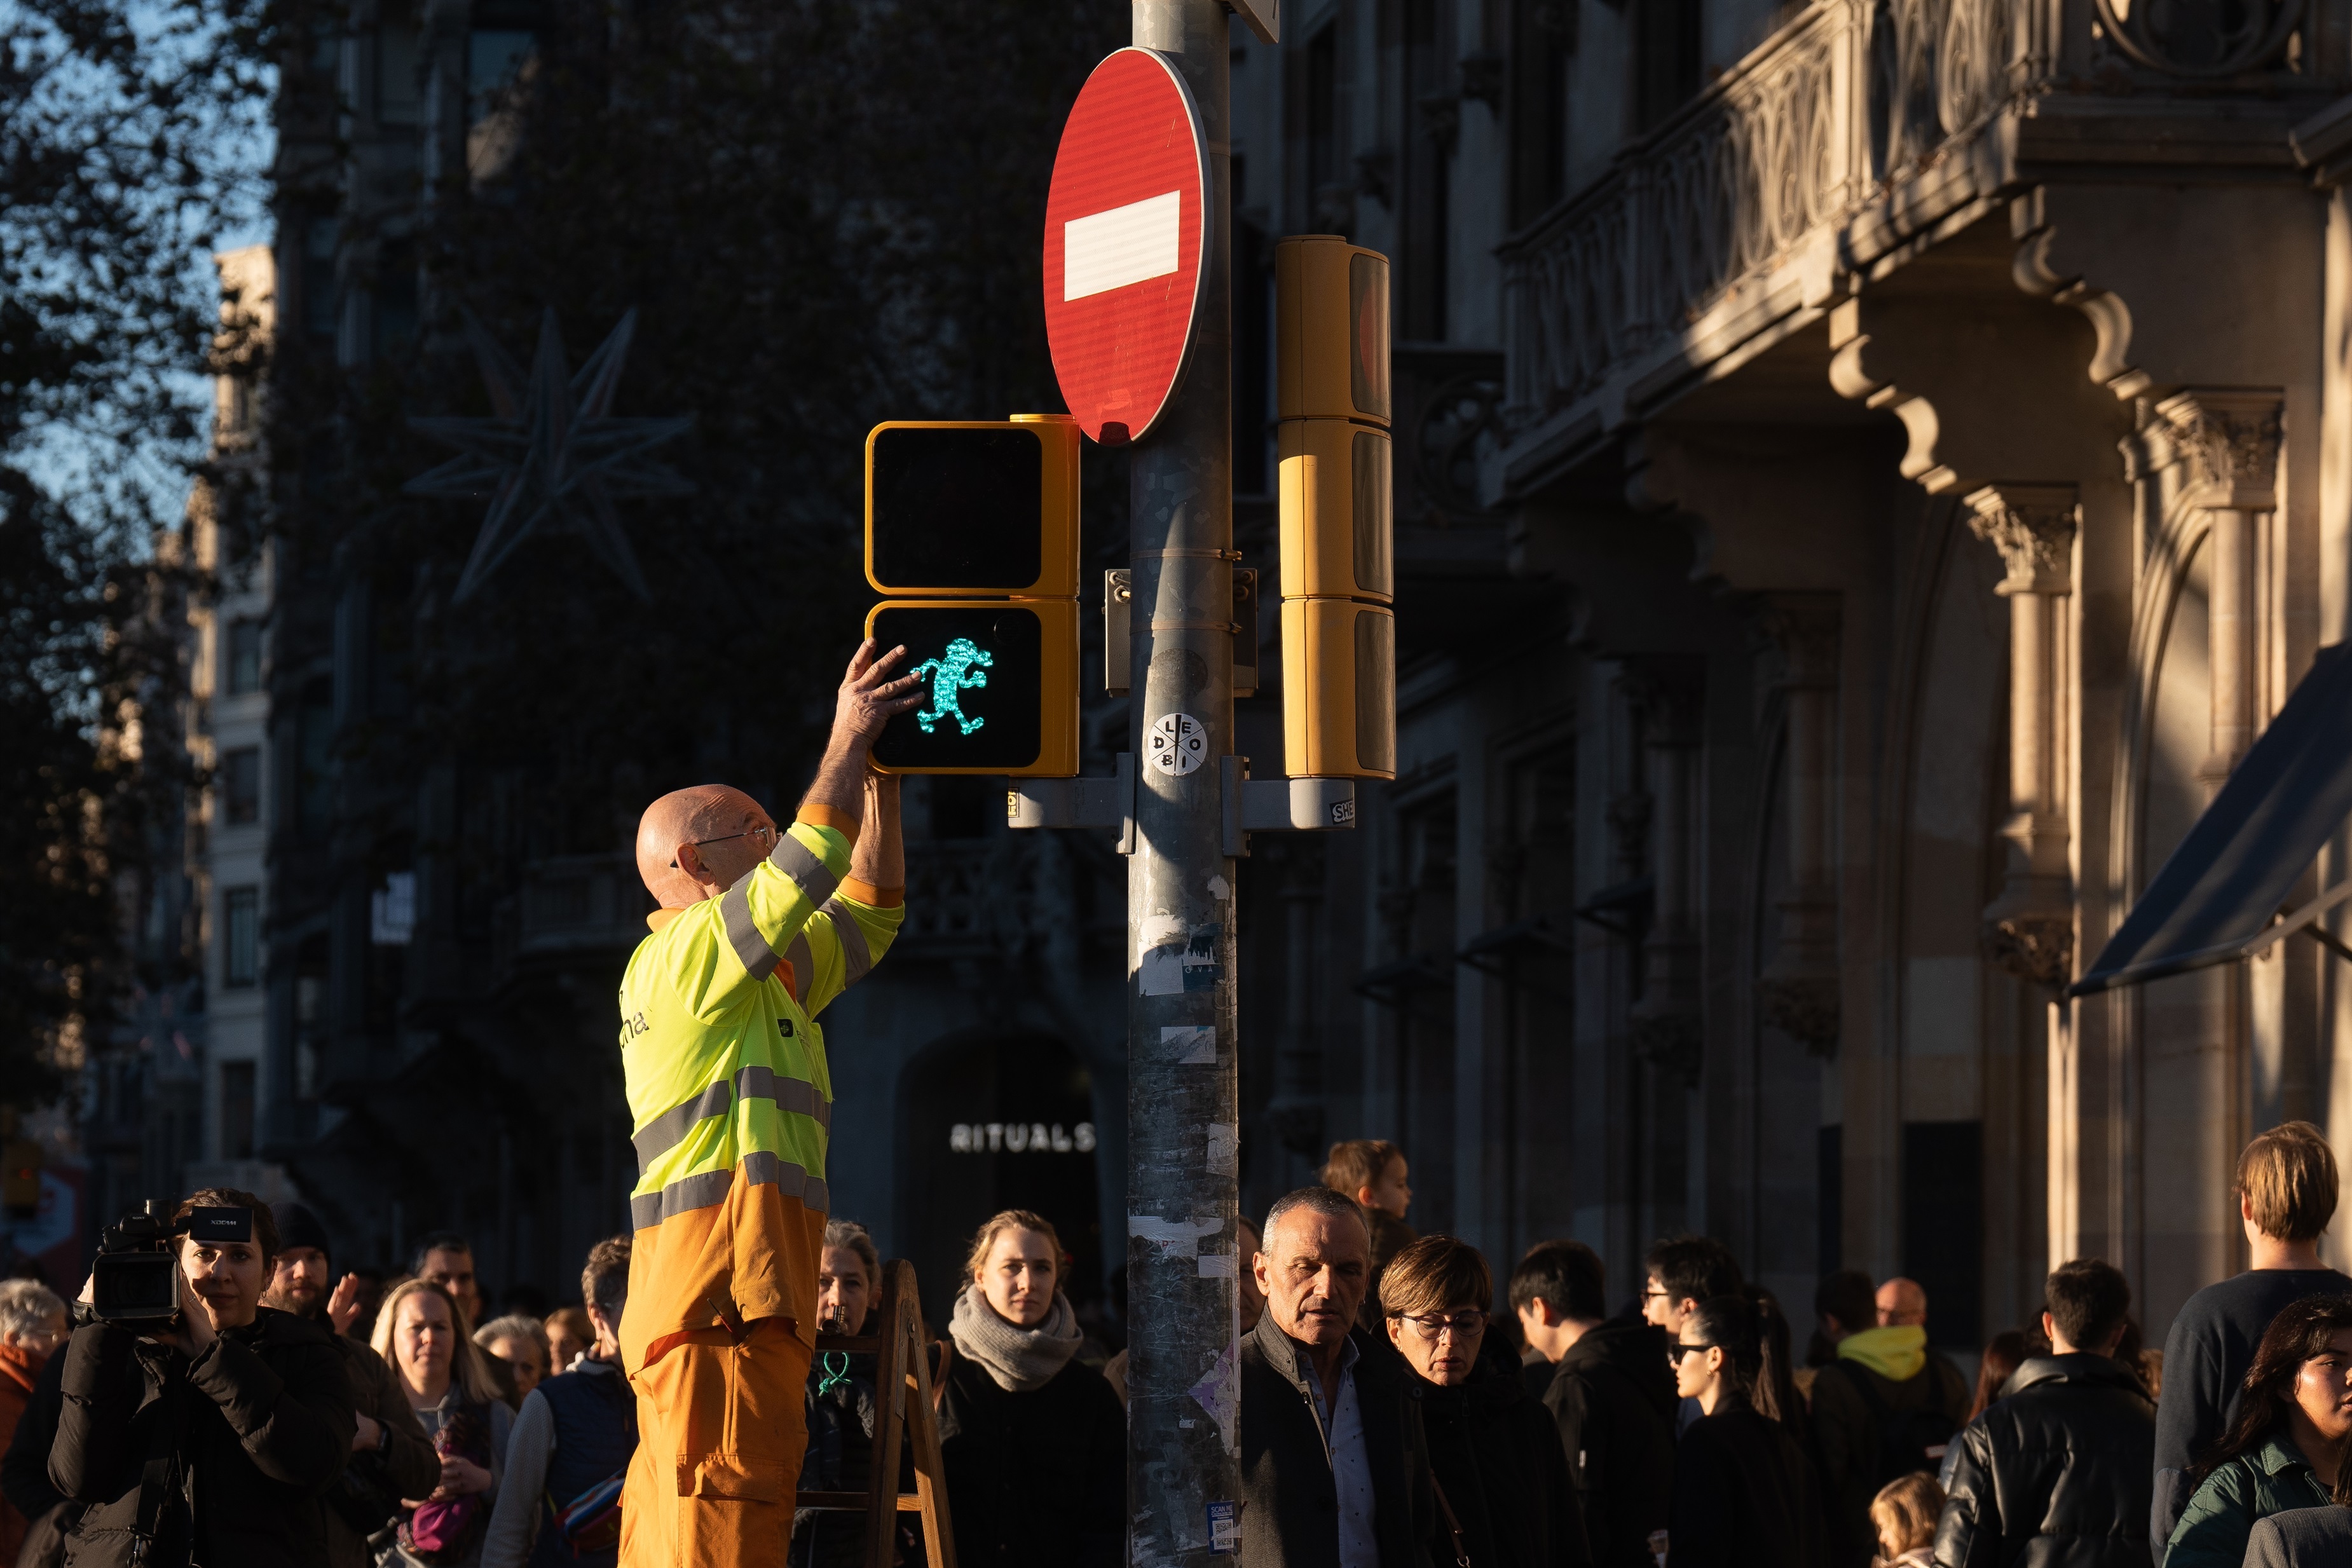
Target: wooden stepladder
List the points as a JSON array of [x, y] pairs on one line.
[[903, 1411]]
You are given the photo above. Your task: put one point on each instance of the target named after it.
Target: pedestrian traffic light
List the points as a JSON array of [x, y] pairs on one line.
[[1000, 686], [957, 507], [1331, 397], [976, 524]]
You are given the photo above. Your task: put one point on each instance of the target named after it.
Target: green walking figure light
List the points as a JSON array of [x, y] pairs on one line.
[[956, 672]]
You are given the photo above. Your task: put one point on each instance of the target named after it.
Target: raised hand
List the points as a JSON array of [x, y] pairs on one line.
[[345, 1304], [869, 698]]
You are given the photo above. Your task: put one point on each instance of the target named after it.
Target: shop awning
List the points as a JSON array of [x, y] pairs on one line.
[[2220, 896]]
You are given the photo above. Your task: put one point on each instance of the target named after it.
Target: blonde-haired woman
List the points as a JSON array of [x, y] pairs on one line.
[[422, 1335], [1035, 1441]]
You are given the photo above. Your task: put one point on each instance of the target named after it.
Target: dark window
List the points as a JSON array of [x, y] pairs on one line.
[[237, 1085], [1428, 169], [244, 657], [1943, 1225], [1829, 1200], [1543, 42], [240, 935], [319, 304], [393, 312], [494, 58], [1667, 35], [241, 785], [315, 785], [1322, 113]]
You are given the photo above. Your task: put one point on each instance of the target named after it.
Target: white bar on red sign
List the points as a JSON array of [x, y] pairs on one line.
[[1109, 250]]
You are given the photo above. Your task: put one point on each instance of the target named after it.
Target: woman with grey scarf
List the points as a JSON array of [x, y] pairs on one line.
[[1035, 1441]]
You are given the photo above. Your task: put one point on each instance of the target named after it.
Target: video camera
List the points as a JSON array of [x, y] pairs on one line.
[[135, 1281]]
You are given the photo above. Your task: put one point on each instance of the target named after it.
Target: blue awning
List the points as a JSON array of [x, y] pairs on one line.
[[2218, 895]]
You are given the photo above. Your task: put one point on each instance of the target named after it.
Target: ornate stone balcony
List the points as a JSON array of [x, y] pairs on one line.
[[1859, 134]]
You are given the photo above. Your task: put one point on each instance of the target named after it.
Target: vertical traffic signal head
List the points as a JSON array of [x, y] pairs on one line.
[[1331, 329], [974, 506], [1338, 689], [1334, 509]]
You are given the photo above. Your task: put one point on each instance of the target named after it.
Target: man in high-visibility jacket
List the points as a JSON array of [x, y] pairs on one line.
[[731, 1103]]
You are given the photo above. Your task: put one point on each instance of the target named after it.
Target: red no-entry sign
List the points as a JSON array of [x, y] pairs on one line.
[[1126, 243]]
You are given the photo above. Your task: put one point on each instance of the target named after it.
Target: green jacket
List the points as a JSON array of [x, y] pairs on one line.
[[2219, 1518]]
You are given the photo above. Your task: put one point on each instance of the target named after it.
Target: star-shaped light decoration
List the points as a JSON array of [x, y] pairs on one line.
[[552, 455]]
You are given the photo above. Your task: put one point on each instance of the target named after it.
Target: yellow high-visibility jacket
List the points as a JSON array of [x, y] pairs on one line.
[[729, 1093]]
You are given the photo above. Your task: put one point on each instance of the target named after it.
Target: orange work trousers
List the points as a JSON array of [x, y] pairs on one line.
[[721, 1432]]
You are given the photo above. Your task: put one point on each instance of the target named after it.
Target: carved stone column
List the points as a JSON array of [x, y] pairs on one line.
[[1800, 988], [2231, 441], [1666, 1022], [2029, 929]]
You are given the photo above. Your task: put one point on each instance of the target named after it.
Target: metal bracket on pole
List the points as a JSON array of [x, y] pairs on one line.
[[1282, 805], [1077, 803]]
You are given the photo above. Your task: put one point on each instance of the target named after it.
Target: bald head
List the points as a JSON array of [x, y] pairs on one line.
[[691, 842], [1902, 1303]]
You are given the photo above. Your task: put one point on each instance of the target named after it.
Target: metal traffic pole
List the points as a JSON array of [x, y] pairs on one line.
[[1182, 1090]]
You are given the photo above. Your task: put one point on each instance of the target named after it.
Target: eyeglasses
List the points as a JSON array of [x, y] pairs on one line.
[[766, 835], [1434, 1325], [1676, 1352], [1648, 1294]]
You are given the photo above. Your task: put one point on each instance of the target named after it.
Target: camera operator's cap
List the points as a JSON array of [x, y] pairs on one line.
[[297, 1227]]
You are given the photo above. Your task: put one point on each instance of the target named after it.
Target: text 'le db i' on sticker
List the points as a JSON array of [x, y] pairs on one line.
[[1178, 744]]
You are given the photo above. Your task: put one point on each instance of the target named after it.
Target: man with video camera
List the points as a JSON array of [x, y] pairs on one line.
[[199, 1426]]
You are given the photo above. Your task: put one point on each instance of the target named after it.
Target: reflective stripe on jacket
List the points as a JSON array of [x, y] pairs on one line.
[[729, 1093]]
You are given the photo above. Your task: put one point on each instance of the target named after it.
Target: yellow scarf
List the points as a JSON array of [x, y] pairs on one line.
[[1897, 1354]]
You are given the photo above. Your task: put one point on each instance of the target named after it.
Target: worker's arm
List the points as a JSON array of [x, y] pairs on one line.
[[868, 700], [879, 859], [847, 937]]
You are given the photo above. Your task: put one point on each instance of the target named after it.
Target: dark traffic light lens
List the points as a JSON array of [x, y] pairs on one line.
[[982, 669], [956, 508]]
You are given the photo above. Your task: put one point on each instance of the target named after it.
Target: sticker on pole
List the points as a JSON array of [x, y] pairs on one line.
[[1224, 1528], [1126, 243], [1178, 744]]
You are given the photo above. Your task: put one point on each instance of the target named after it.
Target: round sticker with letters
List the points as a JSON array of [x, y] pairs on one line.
[[1178, 744]]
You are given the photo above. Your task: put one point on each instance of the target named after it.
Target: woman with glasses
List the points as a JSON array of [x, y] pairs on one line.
[[1505, 1497], [1744, 1490]]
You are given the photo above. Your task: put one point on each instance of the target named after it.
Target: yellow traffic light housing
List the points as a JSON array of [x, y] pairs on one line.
[[984, 508], [1332, 330], [1331, 397], [973, 527], [1000, 686]]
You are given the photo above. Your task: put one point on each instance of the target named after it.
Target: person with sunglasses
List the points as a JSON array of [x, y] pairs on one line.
[[1499, 1471], [1745, 1492]]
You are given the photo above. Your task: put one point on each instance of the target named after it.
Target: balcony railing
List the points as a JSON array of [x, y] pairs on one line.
[[1733, 213]]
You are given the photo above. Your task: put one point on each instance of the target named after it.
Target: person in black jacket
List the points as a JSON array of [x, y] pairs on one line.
[[1334, 1464], [1744, 1491], [1034, 1440], [2060, 1470], [840, 1403], [243, 1408], [1610, 1391], [1497, 1466], [390, 1455]]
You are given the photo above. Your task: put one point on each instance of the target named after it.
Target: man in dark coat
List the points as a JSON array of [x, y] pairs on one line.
[[2058, 1472], [1606, 1385], [1335, 1467], [392, 1457]]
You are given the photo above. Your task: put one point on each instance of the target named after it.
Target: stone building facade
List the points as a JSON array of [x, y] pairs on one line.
[[1880, 465]]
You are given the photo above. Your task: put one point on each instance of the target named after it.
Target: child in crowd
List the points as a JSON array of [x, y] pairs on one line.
[[1904, 1512]]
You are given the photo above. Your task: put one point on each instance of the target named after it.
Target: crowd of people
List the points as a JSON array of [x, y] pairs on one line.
[[1400, 1407]]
